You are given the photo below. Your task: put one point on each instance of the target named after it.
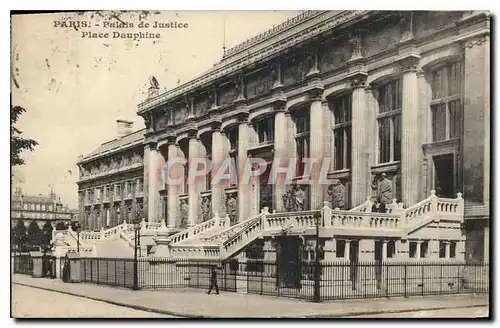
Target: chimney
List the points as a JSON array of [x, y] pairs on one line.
[[124, 127]]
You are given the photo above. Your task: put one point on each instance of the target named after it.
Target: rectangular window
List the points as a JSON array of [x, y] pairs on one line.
[[424, 246], [453, 249], [391, 248], [389, 121], [342, 112], [446, 104], [265, 130], [413, 249], [302, 125], [340, 248], [442, 249]]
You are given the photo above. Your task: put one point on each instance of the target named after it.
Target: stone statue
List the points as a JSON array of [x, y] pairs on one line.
[[300, 196], [184, 211], [385, 189], [205, 209], [232, 207], [153, 82], [336, 194], [289, 200]]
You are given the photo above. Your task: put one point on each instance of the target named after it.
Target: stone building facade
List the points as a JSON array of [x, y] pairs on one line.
[[110, 186], [398, 100]]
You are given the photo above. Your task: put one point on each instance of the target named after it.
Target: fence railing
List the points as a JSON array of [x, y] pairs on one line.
[[336, 280]]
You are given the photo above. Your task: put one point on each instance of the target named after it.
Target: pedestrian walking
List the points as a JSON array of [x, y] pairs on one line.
[[213, 281]]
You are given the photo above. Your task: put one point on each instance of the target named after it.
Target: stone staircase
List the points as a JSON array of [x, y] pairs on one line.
[[360, 221]]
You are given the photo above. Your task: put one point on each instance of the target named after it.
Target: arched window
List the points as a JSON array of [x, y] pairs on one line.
[[389, 121], [446, 104], [342, 109], [265, 130]]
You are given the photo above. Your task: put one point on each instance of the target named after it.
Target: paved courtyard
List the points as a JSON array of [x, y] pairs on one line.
[[196, 303], [28, 302]]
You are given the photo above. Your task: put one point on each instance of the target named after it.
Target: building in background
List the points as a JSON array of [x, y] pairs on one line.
[[40, 208], [110, 185]]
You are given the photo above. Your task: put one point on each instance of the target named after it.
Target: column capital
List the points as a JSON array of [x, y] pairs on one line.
[[242, 117], [192, 130], [358, 79], [151, 143], [409, 64], [171, 139], [279, 104], [420, 73], [315, 92]]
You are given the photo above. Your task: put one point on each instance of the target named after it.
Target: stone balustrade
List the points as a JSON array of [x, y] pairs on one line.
[[244, 236], [195, 251], [231, 231], [195, 230]]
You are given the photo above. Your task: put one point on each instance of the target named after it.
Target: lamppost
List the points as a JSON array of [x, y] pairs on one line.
[[78, 227], [317, 216], [137, 229]]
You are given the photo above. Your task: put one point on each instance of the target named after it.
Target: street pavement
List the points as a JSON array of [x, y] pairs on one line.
[[28, 302], [471, 312], [189, 302]]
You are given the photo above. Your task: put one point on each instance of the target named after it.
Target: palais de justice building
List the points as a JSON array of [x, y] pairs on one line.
[[398, 100]]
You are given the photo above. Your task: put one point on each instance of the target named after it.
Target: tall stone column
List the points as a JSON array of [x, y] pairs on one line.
[[243, 188], [218, 156], [317, 147], [370, 133], [193, 195], [253, 183], [152, 180], [173, 189], [360, 152], [410, 143], [281, 139], [474, 37]]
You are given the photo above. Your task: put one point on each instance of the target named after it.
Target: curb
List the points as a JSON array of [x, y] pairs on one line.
[[308, 316]]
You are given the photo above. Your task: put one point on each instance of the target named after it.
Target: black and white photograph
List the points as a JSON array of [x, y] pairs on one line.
[[250, 164]]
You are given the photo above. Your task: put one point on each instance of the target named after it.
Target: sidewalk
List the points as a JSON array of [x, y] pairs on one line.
[[195, 303]]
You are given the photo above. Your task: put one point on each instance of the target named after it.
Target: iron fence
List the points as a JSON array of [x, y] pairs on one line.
[[335, 280], [23, 264]]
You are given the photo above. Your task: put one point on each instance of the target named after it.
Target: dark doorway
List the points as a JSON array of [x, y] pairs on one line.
[[444, 176], [353, 257], [289, 262], [266, 190]]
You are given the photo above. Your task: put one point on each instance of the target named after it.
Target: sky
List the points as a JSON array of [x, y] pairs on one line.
[[75, 88]]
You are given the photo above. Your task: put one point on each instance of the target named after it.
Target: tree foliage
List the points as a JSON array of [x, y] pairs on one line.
[[19, 234], [47, 235], [17, 142], [35, 235], [61, 226]]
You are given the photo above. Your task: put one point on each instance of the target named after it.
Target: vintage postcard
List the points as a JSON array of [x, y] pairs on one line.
[[250, 164]]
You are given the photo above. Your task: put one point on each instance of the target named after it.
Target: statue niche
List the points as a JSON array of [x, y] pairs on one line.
[[336, 194], [232, 208], [382, 189], [293, 199], [205, 208], [184, 210]]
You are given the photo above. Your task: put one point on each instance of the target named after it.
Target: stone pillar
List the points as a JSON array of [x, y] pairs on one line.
[[218, 156], [281, 139], [418, 250], [360, 151], [486, 254], [330, 250], [384, 250], [446, 249], [152, 174], [410, 143], [317, 148], [370, 134], [243, 188], [193, 195], [474, 36], [347, 253], [173, 189]]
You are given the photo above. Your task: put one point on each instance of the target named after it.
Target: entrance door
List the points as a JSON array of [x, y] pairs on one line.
[[353, 257], [289, 262], [444, 176], [266, 190]]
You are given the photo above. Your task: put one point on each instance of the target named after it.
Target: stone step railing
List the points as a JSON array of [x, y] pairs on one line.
[[195, 251], [244, 236], [230, 231], [198, 229], [365, 207]]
